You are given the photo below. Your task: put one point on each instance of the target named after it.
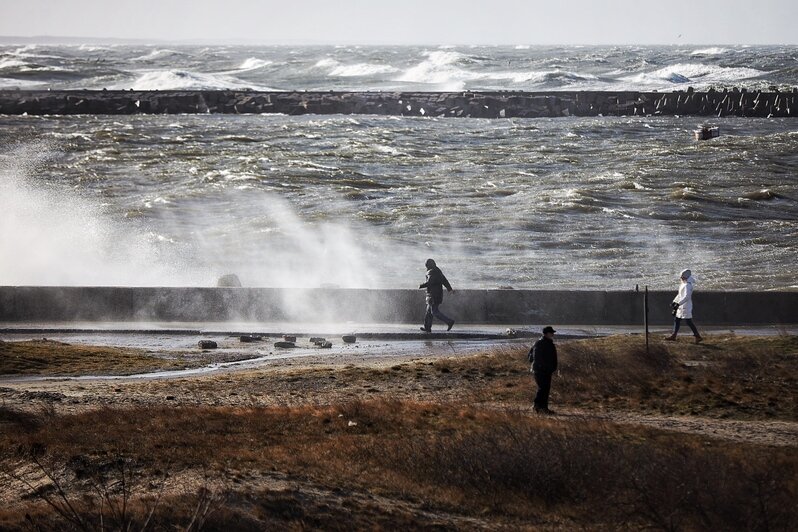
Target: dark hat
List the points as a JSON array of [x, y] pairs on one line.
[[548, 329]]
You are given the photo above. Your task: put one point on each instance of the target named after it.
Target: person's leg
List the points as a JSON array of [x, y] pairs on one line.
[[677, 322], [428, 317], [693, 328], [543, 380], [441, 316]]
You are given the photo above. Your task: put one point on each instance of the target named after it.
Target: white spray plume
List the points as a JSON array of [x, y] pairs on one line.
[[51, 235]]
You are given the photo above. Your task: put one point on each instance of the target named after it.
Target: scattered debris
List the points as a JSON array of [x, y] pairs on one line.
[[284, 345], [249, 338], [707, 132], [289, 338], [349, 338], [207, 344]]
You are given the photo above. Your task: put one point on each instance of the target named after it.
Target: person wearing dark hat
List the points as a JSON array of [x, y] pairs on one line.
[[543, 357], [434, 285]]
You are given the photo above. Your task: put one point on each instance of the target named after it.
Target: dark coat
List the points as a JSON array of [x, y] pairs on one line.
[[435, 283], [543, 356]]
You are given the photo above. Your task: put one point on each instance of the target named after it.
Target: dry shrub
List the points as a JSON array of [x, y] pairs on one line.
[[14, 419], [464, 459]]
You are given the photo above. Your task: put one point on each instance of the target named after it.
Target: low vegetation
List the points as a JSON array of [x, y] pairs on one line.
[[51, 358], [726, 377], [424, 462], [431, 444]]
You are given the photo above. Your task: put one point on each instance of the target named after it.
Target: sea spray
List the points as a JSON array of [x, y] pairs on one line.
[[52, 235]]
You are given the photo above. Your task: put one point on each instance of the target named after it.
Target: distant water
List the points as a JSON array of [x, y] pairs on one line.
[[396, 68], [362, 201]]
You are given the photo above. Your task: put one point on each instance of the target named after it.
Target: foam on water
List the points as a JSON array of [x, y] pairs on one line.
[[253, 63], [179, 79], [714, 50], [372, 68], [361, 69], [695, 73], [439, 69]]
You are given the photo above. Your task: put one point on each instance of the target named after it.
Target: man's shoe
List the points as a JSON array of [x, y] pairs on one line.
[[426, 330], [451, 324], [671, 338], [549, 412], [699, 339]]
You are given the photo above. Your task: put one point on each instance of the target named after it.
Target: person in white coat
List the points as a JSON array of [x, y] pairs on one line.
[[683, 306]]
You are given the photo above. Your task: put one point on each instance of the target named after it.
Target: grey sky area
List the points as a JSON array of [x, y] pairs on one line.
[[409, 21]]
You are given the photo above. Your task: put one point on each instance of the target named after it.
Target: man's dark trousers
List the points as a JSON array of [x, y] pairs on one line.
[[543, 380]]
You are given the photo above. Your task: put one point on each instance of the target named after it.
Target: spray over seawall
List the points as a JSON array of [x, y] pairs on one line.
[[54, 233]]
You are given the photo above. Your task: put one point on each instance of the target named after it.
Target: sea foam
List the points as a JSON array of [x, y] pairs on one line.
[[184, 80]]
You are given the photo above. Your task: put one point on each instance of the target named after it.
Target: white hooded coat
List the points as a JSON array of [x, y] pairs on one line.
[[685, 299]]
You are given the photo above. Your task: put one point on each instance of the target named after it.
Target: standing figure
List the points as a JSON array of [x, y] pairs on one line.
[[543, 357], [434, 285], [683, 306]]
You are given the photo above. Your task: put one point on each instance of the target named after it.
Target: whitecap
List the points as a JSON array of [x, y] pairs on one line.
[[253, 63], [155, 54], [714, 50], [184, 80], [326, 63], [11, 63], [439, 68], [694, 73], [361, 69]]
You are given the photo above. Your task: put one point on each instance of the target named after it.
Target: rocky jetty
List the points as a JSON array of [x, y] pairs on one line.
[[506, 104]]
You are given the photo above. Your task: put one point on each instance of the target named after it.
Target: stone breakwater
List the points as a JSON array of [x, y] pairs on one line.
[[507, 104]]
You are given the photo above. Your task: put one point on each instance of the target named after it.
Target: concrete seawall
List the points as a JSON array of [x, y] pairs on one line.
[[504, 104], [517, 307]]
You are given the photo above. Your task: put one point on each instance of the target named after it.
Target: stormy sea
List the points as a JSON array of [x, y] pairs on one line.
[[362, 201]]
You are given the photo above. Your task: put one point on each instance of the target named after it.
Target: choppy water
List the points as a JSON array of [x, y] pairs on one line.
[[362, 201], [396, 68], [598, 203]]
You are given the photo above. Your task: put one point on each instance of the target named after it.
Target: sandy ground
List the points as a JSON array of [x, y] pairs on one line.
[[273, 377]]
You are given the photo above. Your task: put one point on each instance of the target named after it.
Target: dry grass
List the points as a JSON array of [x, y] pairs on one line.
[[726, 377], [441, 460], [430, 449], [47, 357]]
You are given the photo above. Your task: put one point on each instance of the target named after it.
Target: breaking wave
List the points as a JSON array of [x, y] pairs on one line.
[[183, 80], [693, 73]]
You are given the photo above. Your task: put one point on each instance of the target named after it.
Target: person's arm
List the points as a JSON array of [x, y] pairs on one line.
[[534, 352], [553, 358], [445, 283]]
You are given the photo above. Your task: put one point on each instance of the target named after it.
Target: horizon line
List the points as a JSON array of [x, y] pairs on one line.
[[65, 39]]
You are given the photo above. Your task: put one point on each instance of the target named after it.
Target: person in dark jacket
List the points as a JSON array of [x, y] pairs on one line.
[[434, 285], [543, 357]]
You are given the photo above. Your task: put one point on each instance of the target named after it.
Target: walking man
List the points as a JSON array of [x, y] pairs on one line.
[[434, 285], [543, 357]]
